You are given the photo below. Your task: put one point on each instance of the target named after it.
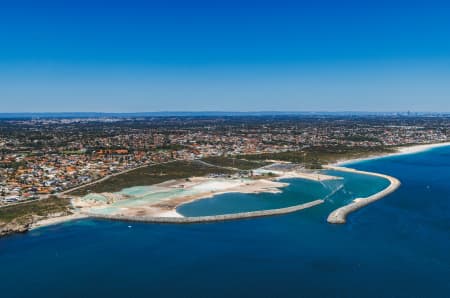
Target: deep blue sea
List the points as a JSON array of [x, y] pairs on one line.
[[396, 247]]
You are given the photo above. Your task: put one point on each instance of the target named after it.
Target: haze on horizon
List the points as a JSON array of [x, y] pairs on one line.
[[143, 56]]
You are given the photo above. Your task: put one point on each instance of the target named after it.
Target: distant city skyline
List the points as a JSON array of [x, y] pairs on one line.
[[149, 56]]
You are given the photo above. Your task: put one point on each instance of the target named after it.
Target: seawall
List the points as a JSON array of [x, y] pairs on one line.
[[212, 218], [339, 216]]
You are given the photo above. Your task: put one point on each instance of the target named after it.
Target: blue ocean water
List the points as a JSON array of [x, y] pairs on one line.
[[396, 247]]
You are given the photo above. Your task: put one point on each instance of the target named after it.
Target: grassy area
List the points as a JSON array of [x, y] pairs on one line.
[[239, 163], [151, 175], [315, 157], [41, 208]]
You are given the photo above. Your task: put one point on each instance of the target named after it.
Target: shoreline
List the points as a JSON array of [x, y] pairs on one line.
[[403, 150], [337, 216], [56, 220], [163, 209]]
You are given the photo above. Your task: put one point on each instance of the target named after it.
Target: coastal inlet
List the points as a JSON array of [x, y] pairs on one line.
[[272, 190]]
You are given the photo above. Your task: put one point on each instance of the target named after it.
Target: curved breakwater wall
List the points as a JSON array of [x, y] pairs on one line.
[[212, 218], [339, 216]]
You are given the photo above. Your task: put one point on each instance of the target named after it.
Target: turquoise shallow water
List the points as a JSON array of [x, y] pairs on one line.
[[145, 195], [335, 192], [396, 247]]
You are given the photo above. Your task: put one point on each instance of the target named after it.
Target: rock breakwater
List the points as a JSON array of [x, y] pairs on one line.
[[212, 218]]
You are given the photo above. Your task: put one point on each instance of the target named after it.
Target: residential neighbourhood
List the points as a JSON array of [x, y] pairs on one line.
[[40, 157]]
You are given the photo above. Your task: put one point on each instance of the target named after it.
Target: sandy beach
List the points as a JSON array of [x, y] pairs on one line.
[[57, 220], [400, 151], [309, 175]]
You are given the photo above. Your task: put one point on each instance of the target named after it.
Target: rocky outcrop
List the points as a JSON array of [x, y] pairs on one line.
[[25, 223], [18, 225]]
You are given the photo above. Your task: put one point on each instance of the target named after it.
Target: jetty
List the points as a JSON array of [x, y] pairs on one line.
[[339, 216], [210, 218]]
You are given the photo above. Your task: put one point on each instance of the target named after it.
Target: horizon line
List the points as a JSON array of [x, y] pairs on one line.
[[228, 112]]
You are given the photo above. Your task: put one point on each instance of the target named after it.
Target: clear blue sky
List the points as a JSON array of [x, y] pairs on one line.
[[135, 56]]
